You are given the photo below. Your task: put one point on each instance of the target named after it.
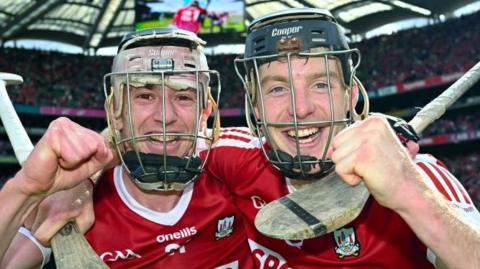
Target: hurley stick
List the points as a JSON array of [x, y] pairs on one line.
[[329, 204], [70, 248]]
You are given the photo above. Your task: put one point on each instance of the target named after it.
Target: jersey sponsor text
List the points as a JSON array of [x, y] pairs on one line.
[[267, 257], [183, 233]]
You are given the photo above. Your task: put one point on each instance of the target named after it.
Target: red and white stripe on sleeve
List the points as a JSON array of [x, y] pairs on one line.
[[438, 177], [442, 179], [240, 137]]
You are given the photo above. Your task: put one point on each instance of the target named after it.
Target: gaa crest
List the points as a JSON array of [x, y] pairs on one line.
[[346, 242]]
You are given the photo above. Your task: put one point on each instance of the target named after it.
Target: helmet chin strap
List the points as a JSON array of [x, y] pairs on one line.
[[287, 165], [154, 173]]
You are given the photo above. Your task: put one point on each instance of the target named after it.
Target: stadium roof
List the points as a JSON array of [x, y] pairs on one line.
[[92, 24]]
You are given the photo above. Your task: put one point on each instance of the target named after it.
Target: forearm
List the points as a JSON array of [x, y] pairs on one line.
[[442, 229], [22, 254], [15, 207]]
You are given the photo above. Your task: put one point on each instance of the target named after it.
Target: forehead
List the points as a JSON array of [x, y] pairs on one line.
[[301, 66], [175, 81]]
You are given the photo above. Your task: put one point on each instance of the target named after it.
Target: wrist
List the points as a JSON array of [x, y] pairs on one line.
[[26, 186], [46, 252], [413, 194], [17, 190]]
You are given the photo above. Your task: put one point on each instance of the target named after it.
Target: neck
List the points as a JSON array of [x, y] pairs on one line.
[[154, 200]]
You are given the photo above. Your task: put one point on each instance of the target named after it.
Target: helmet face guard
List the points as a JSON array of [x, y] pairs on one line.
[[168, 66], [285, 39]]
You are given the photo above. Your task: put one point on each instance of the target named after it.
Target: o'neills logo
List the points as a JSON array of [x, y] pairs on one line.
[[286, 31], [183, 233]]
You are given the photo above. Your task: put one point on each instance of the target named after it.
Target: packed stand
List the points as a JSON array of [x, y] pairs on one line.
[[56, 79], [69, 80], [467, 169], [416, 54], [458, 124]]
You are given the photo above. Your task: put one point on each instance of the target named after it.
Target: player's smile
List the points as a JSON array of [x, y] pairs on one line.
[[172, 139], [302, 133], [311, 140], [306, 136], [157, 142]]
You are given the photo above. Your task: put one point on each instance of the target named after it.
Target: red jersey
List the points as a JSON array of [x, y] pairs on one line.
[[188, 18], [203, 230], [378, 238]]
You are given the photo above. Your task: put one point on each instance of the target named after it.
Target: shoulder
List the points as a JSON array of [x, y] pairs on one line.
[[237, 137], [105, 187], [236, 155]]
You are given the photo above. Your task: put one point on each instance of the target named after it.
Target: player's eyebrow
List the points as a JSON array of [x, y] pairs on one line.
[[144, 87], [278, 78], [333, 76], [310, 77]]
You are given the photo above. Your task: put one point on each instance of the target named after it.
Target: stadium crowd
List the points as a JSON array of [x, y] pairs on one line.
[[458, 124], [420, 53], [56, 79], [68, 80], [466, 168]]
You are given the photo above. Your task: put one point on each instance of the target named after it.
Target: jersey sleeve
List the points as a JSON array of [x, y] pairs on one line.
[[438, 177]]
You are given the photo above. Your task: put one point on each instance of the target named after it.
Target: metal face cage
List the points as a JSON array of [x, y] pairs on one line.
[[164, 170], [300, 165]]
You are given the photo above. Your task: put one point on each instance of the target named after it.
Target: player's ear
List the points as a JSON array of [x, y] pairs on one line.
[[351, 97], [117, 118], [117, 123], [114, 116], [206, 112], [354, 93], [357, 89], [254, 97]]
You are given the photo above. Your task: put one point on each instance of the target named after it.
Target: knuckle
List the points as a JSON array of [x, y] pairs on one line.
[[59, 122], [377, 120], [350, 180]]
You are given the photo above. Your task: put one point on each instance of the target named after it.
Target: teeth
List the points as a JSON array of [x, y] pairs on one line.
[[160, 138], [303, 132]]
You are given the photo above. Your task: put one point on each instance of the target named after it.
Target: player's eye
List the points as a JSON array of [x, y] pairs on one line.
[[184, 97], [320, 85], [145, 96], [278, 90], [188, 95]]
